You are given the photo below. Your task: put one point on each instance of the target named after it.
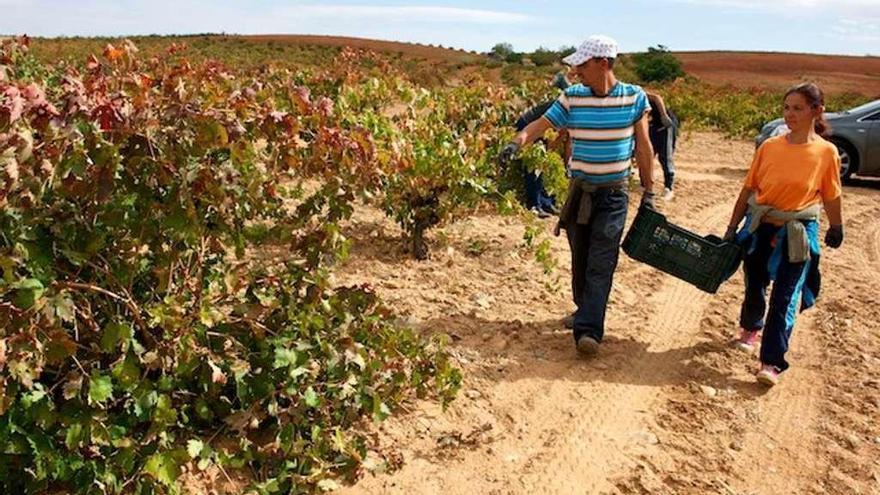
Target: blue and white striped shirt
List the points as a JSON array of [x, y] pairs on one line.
[[601, 129]]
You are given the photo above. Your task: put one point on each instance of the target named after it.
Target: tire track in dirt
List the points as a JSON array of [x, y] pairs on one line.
[[780, 436], [616, 420], [562, 424], [615, 414], [782, 433], [780, 428], [867, 223], [775, 435], [850, 332], [874, 246]]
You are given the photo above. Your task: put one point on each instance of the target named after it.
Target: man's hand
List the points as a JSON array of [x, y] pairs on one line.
[[834, 236], [508, 153], [648, 200], [560, 82], [730, 234]]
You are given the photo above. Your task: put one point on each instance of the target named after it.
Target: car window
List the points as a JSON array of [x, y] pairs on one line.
[[873, 118], [862, 108]]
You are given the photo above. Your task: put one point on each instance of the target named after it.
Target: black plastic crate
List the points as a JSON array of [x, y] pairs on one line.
[[705, 262]]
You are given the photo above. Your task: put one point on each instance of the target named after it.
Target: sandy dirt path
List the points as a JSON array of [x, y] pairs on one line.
[[667, 406]]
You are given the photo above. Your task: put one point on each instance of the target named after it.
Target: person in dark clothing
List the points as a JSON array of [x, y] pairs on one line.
[[537, 198], [663, 130]]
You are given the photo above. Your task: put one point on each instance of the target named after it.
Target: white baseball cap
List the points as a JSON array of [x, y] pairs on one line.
[[596, 46]]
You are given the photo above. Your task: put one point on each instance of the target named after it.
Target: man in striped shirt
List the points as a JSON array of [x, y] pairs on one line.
[[606, 120]]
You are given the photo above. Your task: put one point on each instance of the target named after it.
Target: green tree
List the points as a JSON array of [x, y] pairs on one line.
[[514, 58], [565, 51], [658, 64], [542, 56], [502, 50]]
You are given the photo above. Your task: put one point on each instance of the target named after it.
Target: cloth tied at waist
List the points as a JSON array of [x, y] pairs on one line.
[[578, 206], [795, 232]]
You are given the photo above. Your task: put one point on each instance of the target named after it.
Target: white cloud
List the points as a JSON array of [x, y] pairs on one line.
[[850, 22], [795, 7], [102, 17], [861, 30], [426, 14], [786, 4]]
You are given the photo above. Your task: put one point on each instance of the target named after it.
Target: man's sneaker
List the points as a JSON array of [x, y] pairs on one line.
[[568, 321], [587, 345], [668, 194], [747, 341], [768, 375], [538, 212]]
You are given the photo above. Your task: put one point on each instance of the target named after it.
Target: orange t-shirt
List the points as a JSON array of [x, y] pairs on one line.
[[791, 177]]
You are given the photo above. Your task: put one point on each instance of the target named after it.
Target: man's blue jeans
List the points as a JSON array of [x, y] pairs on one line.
[[595, 248], [663, 142], [536, 196]]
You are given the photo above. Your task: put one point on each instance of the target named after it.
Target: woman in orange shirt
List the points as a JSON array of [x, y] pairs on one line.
[[791, 178]]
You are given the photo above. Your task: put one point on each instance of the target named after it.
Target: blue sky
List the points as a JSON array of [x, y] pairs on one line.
[[813, 26]]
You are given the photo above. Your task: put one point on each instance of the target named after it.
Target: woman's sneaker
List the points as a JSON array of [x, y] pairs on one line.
[[768, 375], [748, 340]]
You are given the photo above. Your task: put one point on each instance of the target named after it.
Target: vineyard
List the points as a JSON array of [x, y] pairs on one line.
[[168, 233], [173, 241]]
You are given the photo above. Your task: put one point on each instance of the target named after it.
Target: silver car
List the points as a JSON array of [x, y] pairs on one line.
[[856, 132]]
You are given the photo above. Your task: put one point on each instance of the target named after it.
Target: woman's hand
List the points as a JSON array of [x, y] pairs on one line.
[[834, 236], [730, 234]]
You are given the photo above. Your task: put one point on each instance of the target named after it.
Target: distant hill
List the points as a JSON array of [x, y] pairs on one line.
[[409, 49], [425, 64], [835, 73]]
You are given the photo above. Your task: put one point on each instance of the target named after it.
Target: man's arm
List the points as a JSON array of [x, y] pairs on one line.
[[532, 132], [529, 134], [644, 155]]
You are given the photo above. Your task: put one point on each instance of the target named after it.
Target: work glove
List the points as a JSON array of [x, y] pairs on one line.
[[834, 236], [730, 233], [648, 200], [560, 82], [508, 152]]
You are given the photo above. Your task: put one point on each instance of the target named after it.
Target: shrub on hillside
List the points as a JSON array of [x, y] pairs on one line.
[[514, 58], [657, 65], [736, 112], [565, 51], [501, 50], [543, 57]]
